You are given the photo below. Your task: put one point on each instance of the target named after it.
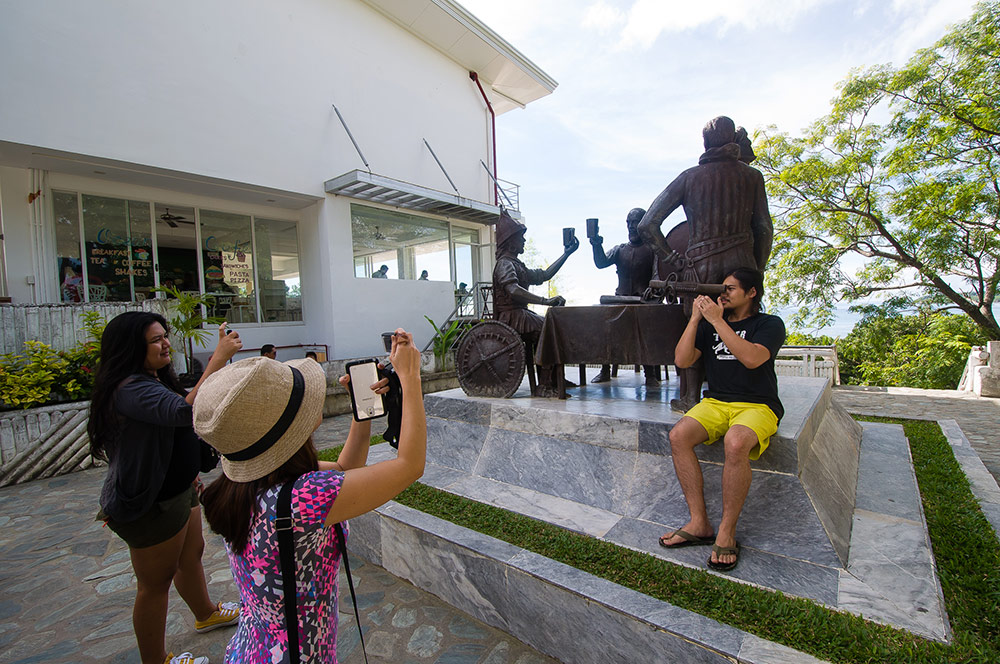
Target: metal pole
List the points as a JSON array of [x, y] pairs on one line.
[[351, 136], [496, 185], [442, 167]]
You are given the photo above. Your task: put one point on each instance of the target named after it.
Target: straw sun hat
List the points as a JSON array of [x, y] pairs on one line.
[[258, 412]]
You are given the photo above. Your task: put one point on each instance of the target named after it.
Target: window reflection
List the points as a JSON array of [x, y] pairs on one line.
[[67, 222], [227, 259], [177, 247], [410, 247], [278, 269]]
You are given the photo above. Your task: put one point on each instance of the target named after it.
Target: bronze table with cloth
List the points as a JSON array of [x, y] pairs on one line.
[[609, 334]]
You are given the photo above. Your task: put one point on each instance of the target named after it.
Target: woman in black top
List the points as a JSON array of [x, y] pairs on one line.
[[140, 422]]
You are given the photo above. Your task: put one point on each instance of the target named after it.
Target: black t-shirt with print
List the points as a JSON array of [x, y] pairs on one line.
[[728, 379]]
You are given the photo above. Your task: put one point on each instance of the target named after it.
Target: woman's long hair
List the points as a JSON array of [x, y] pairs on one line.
[[123, 353], [231, 506]]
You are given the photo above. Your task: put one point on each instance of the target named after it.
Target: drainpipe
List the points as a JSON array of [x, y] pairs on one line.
[[493, 126]]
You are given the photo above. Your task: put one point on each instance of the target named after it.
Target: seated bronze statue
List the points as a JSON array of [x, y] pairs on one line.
[[511, 297]]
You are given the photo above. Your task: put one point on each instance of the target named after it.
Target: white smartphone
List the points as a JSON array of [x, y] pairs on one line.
[[366, 403]]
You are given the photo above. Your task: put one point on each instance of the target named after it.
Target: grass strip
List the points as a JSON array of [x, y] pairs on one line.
[[965, 546], [967, 563]]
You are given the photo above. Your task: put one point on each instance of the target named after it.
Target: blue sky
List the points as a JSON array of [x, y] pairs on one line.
[[639, 78]]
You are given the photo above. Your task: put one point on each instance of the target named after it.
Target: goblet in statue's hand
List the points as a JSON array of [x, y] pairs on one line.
[[558, 300]]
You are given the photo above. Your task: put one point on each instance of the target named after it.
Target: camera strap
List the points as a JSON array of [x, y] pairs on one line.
[[286, 555]]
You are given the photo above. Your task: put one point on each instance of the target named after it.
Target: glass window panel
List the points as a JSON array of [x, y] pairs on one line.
[[465, 240], [67, 222], [106, 249], [227, 256], [405, 243], [176, 246], [141, 241], [278, 269]]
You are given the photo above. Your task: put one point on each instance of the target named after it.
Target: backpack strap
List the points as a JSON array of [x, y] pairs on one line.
[[342, 545], [286, 553]]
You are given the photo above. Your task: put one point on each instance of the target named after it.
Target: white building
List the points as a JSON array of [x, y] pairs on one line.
[[208, 145]]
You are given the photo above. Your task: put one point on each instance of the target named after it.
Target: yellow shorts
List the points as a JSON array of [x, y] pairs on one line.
[[719, 416]]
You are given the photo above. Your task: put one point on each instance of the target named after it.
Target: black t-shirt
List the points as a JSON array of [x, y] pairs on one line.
[[728, 379]]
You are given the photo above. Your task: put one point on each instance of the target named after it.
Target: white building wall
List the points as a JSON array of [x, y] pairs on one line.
[[243, 90], [240, 90]]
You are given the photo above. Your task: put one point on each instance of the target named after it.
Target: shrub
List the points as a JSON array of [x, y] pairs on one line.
[[41, 375]]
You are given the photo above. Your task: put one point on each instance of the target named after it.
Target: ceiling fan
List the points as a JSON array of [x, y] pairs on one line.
[[173, 219]]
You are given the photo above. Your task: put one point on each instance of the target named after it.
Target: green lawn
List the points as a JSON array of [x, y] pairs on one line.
[[967, 554]]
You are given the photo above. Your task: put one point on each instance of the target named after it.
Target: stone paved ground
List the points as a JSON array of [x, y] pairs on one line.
[[66, 585], [979, 417], [66, 591]]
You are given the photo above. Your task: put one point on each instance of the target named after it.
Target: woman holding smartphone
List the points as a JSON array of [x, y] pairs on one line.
[[260, 415], [140, 422]]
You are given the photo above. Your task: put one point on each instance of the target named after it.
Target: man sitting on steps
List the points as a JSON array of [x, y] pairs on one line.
[[741, 406]]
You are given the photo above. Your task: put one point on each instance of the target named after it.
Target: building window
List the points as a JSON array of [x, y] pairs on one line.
[[412, 247], [66, 212], [278, 269], [250, 266], [227, 265]]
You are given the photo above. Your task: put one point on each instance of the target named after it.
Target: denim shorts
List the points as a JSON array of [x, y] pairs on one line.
[[164, 519]]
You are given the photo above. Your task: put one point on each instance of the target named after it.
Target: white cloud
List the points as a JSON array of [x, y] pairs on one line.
[[923, 22], [603, 17], [648, 19]]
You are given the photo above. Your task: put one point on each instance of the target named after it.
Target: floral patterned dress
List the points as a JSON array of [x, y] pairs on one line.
[[261, 637]]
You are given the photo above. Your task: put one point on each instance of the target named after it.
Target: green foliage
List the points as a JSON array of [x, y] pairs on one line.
[[916, 196], [187, 324], [969, 568], [925, 350], [803, 339], [42, 375], [444, 339]]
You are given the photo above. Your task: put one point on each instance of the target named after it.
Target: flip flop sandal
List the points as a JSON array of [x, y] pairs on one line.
[[689, 540], [724, 551]]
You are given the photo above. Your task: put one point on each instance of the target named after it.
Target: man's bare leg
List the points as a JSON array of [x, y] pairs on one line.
[[684, 437], [736, 476]]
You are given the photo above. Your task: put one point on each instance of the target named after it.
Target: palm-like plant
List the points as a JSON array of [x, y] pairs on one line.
[[188, 321]]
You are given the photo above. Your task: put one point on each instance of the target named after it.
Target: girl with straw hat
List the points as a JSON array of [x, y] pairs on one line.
[[260, 415]]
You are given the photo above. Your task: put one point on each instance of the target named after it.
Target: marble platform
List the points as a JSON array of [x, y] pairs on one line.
[[599, 463]]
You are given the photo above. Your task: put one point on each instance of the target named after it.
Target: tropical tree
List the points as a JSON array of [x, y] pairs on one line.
[[927, 349], [903, 175]]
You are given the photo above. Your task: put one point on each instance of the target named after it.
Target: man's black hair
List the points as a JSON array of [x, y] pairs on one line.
[[266, 348], [750, 278]]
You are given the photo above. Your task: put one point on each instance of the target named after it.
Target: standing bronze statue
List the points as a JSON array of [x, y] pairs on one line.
[[636, 264], [729, 225], [511, 297]]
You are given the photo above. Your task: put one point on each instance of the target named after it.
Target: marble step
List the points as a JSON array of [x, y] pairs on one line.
[[784, 545], [561, 611]]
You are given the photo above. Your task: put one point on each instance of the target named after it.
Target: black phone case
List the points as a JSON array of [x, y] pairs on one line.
[[350, 390]]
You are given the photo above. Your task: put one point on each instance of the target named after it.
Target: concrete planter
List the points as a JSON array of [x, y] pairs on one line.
[[44, 441]]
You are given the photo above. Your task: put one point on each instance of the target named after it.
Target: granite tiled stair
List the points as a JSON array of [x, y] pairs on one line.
[[600, 465]]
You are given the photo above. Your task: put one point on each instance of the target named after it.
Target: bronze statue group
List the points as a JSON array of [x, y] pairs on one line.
[[728, 341]]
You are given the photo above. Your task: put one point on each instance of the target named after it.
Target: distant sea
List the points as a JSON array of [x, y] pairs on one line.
[[842, 325]]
